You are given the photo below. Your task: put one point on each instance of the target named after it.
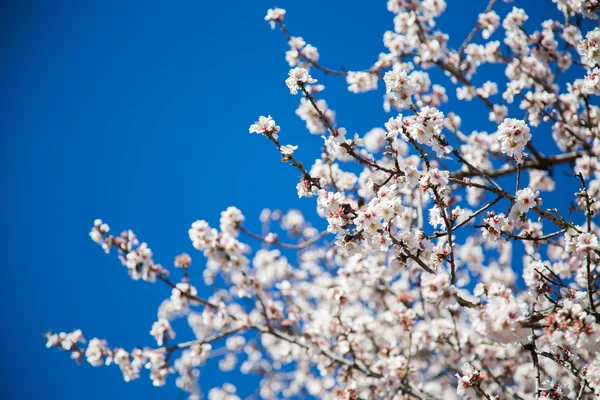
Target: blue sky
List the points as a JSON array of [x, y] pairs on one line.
[[138, 113]]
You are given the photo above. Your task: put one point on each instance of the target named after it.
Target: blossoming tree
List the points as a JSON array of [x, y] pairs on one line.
[[412, 290]]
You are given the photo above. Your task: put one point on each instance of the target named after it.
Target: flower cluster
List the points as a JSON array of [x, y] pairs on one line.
[[400, 85], [514, 135], [488, 22]]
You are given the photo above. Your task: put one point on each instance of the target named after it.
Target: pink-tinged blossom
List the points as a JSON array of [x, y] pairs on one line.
[[515, 18], [265, 126], [274, 15], [586, 243], [469, 381], [514, 135], [526, 199], [298, 77], [287, 150], [183, 260], [589, 48], [203, 237], [399, 84], [94, 353], [591, 82], [360, 82], [226, 392], [593, 374], [162, 330], [230, 220], [488, 23]]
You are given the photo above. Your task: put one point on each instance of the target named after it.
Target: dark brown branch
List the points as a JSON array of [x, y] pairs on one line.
[[298, 246]]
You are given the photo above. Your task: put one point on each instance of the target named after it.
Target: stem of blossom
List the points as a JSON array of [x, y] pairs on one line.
[[568, 365], [580, 392], [473, 32], [264, 311], [588, 216], [548, 279], [209, 339], [582, 141], [536, 364], [456, 336], [330, 163], [417, 148], [205, 303], [420, 212], [470, 218], [507, 389], [448, 221], [352, 364], [587, 108], [457, 154], [529, 164], [590, 288], [327, 71], [412, 257], [394, 153], [362, 160], [298, 246], [588, 210], [325, 120], [408, 356], [346, 146], [295, 163], [560, 222], [555, 275], [480, 391], [461, 77]]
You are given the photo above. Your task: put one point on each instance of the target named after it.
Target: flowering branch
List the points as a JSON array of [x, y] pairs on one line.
[[441, 254]]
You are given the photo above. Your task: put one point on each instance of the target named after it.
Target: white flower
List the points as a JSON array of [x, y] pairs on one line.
[[513, 135], [591, 82], [590, 48], [526, 199], [375, 139], [298, 77], [360, 82], [273, 15], [99, 232], [488, 22], [498, 113], [265, 126], [227, 392], [94, 352], [514, 19], [162, 330], [287, 150], [180, 295], [470, 379], [230, 219], [399, 84], [586, 242], [203, 237]]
